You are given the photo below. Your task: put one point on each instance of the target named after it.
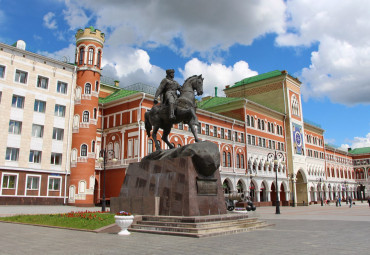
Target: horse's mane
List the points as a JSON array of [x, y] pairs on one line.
[[190, 78]]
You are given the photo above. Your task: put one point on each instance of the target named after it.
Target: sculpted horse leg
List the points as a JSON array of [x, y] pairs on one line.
[[156, 142], [192, 128], [166, 132]]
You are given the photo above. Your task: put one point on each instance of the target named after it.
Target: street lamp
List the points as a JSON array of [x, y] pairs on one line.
[[275, 156], [321, 180], [103, 158]]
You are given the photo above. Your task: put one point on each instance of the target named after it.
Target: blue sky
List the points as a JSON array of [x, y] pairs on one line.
[[323, 43]]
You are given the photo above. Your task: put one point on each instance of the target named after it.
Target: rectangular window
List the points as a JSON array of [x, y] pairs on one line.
[[37, 131], [21, 76], [15, 127], [39, 106], [207, 129], [249, 139], [42, 82], [35, 157], [270, 145], [60, 110], [236, 136], [2, 71], [58, 134], [222, 133], [259, 141], [253, 140], [12, 154], [214, 131], [33, 182], [62, 87], [18, 102], [229, 135], [9, 181], [181, 126], [242, 138], [264, 143], [199, 128], [54, 184], [273, 145], [56, 159]]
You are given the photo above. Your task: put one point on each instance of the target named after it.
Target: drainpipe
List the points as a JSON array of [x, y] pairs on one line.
[[139, 131], [68, 161]]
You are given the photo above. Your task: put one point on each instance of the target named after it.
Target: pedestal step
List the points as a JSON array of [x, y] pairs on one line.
[[200, 226]]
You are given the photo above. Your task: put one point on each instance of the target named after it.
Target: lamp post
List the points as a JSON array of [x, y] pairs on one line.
[[275, 156], [103, 158], [321, 180]]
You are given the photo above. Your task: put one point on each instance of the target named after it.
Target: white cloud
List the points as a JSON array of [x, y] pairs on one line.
[[217, 75], [358, 142], [199, 26], [75, 14], [339, 68], [66, 54], [49, 21]]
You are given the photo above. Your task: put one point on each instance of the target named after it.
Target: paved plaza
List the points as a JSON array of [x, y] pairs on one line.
[[299, 230]]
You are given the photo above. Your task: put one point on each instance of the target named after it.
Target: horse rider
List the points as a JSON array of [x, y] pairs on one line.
[[168, 91]]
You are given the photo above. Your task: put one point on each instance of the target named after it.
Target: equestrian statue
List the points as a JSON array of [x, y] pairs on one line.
[[173, 109]]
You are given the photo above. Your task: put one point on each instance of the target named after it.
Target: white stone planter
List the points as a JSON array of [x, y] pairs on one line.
[[124, 222]]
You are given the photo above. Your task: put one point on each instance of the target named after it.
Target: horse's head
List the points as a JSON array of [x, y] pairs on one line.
[[198, 84]]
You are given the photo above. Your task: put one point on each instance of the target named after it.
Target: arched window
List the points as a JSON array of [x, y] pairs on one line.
[[150, 146], [248, 121], [95, 113], [262, 125], [99, 58], [241, 161], [81, 58], [97, 86], [237, 161], [83, 152], [223, 158], [259, 124], [252, 121], [229, 159], [91, 56], [87, 88], [85, 116], [93, 146]]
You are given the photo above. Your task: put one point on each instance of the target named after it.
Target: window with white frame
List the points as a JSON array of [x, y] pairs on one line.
[[60, 110], [35, 157], [136, 147], [56, 158], [81, 187], [58, 134], [39, 106], [98, 60], [18, 102], [62, 87], [9, 181], [214, 131], [242, 138], [15, 127], [83, 152], [207, 129], [21, 76], [116, 150], [33, 182], [87, 88], [129, 148], [2, 71], [241, 161], [54, 184], [37, 131], [91, 56], [42, 82], [12, 154], [85, 116], [81, 56], [222, 133]]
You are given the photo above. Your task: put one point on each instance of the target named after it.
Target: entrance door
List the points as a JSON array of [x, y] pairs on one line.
[[302, 197]]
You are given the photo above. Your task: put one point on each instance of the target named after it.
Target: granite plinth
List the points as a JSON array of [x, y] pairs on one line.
[[170, 187]]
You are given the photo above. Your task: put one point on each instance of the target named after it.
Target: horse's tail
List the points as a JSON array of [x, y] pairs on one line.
[[148, 125]]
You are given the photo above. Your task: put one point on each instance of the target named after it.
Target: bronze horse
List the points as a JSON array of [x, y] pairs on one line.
[[184, 110]]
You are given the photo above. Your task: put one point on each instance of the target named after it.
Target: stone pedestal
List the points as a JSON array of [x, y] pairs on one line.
[[172, 187]]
